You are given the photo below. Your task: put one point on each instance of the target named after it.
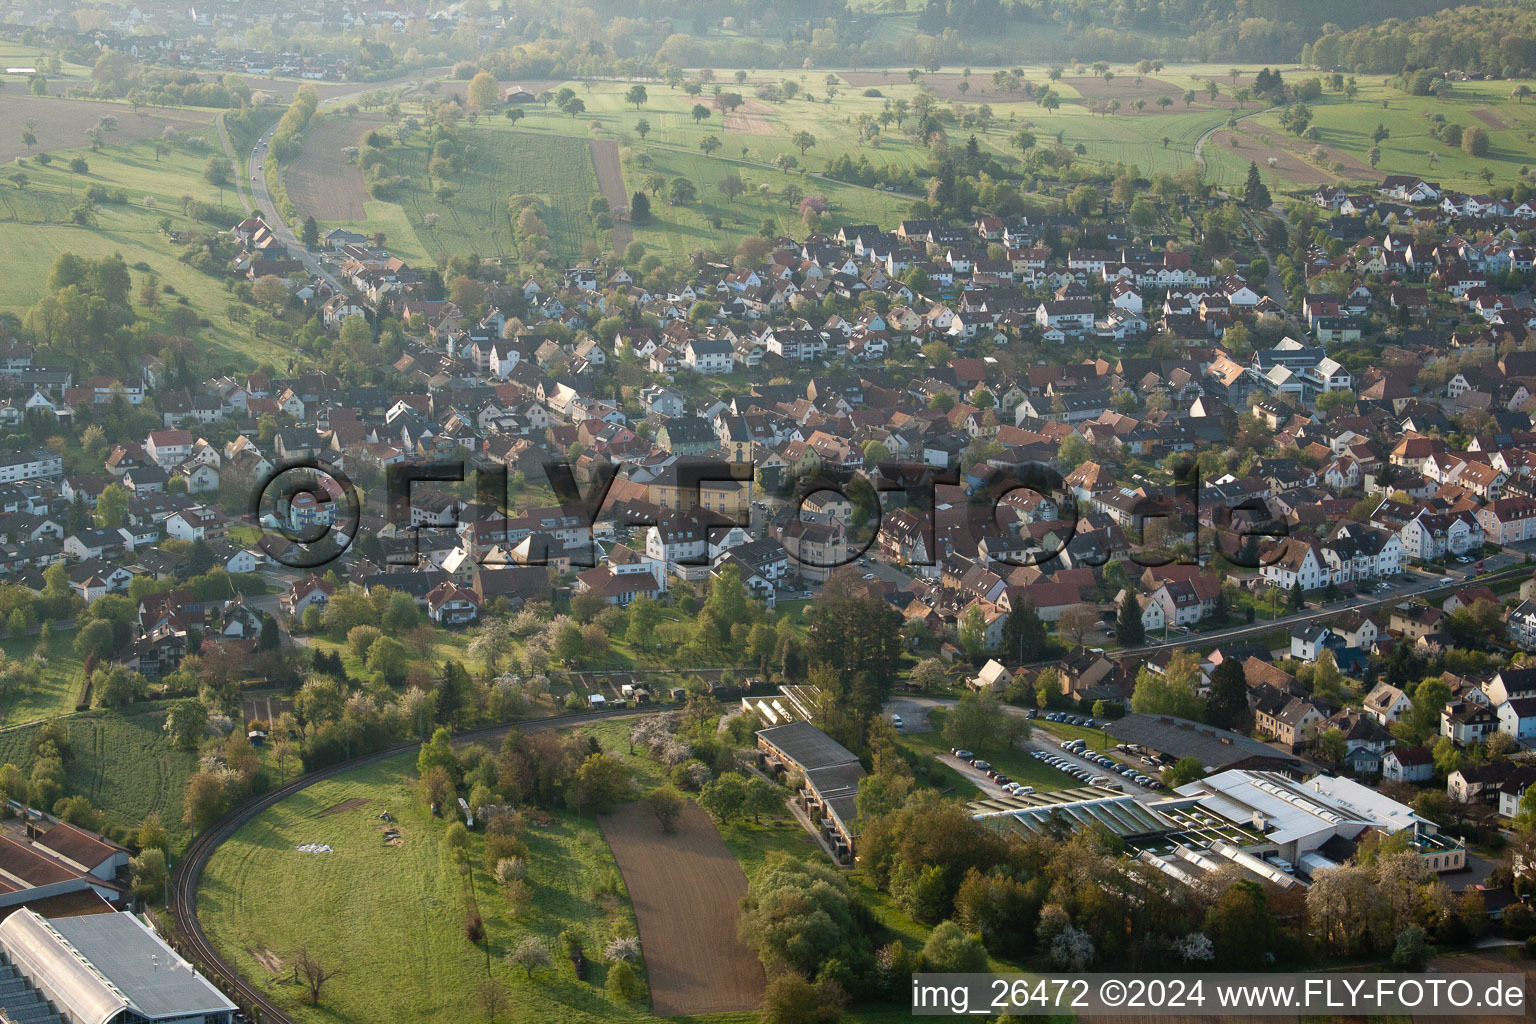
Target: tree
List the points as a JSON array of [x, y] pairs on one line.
[[601, 781], [790, 999], [700, 113], [1128, 626], [639, 208], [1024, 634], [531, 954], [310, 235], [437, 753], [725, 797], [667, 804], [642, 128], [636, 95], [204, 799], [1255, 192], [1422, 719], [1184, 770], [980, 722], [802, 140], [186, 721], [149, 873], [96, 640], [731, 186], [798, 915], [1411, 950], [623, 984], [116, 687], [761, 797], [1170, 692], [308, 967], [493, 997], [1332, 748], [1474, 141], [484, 93], [709, 144], [1226, 705], [152, 834], [682, 192], [1077, 622], [949, 950], [218, 172]]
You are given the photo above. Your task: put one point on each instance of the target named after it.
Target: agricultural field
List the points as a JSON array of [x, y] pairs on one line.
[[1346, 128], [1155, 137], [473, 216], [63, 677], [321, 181], [122, 763], [66, 124], [394, 914], [686, 889]]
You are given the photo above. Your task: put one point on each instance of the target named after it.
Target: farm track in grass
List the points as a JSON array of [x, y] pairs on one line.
[[610, 179], [686, 888]]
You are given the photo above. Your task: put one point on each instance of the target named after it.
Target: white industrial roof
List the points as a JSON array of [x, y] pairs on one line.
[[97, 965], [1295, 810]]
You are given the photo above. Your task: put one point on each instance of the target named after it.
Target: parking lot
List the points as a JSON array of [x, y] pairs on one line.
[[1049, 746]]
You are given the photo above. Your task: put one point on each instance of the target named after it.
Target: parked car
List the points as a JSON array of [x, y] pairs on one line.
[[962, 754], [981, 766], [896, 721]]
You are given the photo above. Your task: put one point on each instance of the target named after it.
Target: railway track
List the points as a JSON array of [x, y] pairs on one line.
[[194, 944]]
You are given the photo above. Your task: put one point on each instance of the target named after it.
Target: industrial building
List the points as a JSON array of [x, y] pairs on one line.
[[1215, 749], [99, 969], [1269, 825], [831, 772]]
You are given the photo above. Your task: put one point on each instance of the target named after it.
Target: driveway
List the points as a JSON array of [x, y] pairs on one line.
[[913, 712]]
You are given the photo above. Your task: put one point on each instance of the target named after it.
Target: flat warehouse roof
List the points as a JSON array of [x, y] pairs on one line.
[[1180, 737], [807, 745], [102, 964]]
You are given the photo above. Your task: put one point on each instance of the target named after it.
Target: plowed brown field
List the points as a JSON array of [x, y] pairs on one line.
[[686, 888]]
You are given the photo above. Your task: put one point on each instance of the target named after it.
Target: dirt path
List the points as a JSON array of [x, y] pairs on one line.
[[1489, 118], [229, 151], [686, 889], [610, 180]]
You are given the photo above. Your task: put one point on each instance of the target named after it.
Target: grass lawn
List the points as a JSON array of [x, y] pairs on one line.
[[35, 228], [393, 917], [502, 163], [62, 678], [123, 763], [1096, 739], [445, 645], [1346, 126]]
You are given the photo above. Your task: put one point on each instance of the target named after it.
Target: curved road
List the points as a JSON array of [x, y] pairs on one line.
[[194, 943], [261, 197]]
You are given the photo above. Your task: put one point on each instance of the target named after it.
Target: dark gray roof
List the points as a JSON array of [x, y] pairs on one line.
[[1179, 737], [98, 965], [807, 746]]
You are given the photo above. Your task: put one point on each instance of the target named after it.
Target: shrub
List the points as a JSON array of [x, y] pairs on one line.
[[623, 983]]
